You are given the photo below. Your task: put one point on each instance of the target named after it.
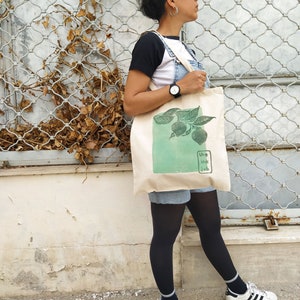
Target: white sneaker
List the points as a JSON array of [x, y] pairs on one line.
[[253, 293]]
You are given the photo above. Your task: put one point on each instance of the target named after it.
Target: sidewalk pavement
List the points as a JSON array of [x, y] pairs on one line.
[[286, 292]]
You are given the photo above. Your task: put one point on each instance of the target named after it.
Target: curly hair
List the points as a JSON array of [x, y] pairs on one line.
[[153, 9]]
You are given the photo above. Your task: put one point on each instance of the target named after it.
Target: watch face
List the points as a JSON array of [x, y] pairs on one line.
[[174, 90]]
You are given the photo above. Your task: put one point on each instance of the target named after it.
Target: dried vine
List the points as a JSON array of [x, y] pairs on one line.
[[87, 100]]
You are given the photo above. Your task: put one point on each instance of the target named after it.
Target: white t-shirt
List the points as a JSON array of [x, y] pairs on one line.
[[151, 57]]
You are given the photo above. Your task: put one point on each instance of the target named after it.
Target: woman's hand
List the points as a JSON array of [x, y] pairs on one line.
[[193, 82]]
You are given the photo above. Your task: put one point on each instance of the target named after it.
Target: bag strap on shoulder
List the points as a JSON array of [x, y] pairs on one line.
[[177, 53], [184, 61]]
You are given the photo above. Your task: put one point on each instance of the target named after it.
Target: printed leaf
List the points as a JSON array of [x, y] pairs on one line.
[[170, 112], [172, 135], [162, 119], [188, 115], [202, 120], [188, 131]]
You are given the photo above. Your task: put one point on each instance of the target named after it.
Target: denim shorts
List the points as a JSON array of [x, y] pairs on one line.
[[176, 197]]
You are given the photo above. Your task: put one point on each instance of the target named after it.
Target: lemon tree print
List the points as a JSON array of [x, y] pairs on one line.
[[179, 141]]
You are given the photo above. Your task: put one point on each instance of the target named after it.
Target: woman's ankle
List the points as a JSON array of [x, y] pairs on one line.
[[171, 296]]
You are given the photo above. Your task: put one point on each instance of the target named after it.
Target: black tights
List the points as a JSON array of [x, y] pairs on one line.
[[167, 220]]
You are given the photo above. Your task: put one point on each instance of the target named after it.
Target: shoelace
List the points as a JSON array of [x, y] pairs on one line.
[[253, 289]]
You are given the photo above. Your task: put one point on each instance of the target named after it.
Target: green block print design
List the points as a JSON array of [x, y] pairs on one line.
[[179, 141]]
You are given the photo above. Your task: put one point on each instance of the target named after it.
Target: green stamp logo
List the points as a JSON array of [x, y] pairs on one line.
[[204, 161], [179, 141]]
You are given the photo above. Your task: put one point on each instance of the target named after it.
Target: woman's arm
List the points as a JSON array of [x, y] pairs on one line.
[[138, 99]]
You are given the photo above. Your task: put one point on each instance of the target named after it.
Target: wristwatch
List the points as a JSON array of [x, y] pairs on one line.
[[174, 90]]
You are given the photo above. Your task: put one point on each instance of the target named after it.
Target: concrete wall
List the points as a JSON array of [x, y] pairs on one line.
[[70, 229]]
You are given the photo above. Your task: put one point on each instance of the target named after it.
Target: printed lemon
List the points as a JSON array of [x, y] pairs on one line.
[[199, 135], [179, 128]]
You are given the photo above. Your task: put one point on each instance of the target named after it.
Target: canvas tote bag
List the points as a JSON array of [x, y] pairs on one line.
[[181, 144]]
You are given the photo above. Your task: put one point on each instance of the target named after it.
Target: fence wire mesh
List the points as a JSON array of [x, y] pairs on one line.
[[61, 86], [252, 49], [64, 63]]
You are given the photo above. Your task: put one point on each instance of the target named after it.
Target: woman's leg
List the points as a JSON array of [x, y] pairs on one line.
[[167, 220], [204, 208]]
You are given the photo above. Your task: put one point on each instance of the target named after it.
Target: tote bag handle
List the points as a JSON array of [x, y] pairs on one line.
[[184, 61]]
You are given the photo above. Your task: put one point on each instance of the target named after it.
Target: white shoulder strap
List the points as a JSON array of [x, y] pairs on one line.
[[177, 53], [179, 56], [182, 59]]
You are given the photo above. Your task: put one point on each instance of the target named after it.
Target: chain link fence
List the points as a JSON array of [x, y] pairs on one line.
[[62, 77], [64, 64], [252, 49]]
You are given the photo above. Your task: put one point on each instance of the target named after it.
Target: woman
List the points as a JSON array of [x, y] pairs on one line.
[[153, 60]]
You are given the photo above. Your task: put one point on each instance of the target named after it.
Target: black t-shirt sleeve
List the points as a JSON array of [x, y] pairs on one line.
[[147, 54]]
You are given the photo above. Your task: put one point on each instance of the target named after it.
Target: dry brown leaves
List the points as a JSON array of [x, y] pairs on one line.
[[80, 124]]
